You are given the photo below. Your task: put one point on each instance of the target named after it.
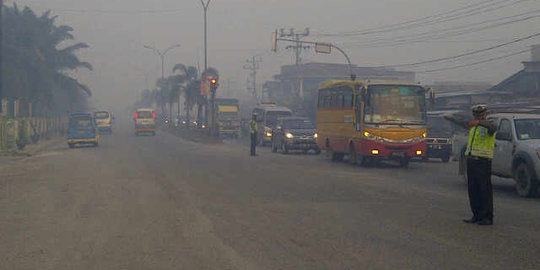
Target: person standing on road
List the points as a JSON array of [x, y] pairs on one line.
[[253, 127], [479, 154]]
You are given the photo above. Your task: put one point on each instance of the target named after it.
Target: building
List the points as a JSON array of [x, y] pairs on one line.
[[525, 84]]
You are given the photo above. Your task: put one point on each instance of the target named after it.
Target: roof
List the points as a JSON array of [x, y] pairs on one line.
[[517, 115], [293, 118], [330, 83], [145, 109], [81, 115], [277, 109]]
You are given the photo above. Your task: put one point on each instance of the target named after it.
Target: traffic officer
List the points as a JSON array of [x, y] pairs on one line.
[[253, 127], [479, 153]]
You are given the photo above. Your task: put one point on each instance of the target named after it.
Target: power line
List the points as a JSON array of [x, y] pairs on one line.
[[446, 33], [466, 54], [486, 6], [475, 63]]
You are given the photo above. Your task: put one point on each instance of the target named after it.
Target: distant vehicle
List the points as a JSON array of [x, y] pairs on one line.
[[228, 117], [145, 121], [294, 133], [267, 115], [439, 137], [517, 151], [373, 120], [103, 121], [82, 130]]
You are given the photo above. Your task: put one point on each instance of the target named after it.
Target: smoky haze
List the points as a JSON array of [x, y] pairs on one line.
[[237, 29]]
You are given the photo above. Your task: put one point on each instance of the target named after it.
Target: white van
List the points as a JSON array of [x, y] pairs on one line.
[[103, 121], [145, 121], [267, 115]]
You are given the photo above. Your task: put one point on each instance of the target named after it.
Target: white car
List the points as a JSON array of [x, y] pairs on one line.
[[103, 121], [517, 151]]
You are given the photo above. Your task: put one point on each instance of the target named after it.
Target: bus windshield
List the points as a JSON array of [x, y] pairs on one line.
[[395, 104]]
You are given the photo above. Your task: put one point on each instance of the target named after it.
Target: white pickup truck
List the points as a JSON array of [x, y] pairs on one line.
[[517, 151]]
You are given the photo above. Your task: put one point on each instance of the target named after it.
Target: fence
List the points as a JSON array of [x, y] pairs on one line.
[[18, 132]]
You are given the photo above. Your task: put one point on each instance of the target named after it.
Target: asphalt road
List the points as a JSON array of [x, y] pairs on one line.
[[166, 203]]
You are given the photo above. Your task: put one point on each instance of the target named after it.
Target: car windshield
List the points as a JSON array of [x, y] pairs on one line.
[[527, 129], [101, 115], [395, 104], [298, 124], [145, 114], [272, 116], [80, 122]]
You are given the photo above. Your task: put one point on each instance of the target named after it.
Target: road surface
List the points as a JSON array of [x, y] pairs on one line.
[[166, 203]]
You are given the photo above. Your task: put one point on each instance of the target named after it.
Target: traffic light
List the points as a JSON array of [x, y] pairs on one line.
[[213, 81], [213, 84]]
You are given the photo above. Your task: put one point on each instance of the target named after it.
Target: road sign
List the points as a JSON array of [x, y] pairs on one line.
[[323, 48]]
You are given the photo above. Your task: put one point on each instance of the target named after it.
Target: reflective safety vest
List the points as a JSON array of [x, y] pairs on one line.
[[253, 126], [480, 144]]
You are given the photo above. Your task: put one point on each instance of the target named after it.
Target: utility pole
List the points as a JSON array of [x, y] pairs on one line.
[[253, 65], [297, 48], [1, 52], [205, 4]]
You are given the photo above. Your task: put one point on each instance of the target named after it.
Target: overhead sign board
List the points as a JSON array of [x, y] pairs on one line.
[[323, 48]]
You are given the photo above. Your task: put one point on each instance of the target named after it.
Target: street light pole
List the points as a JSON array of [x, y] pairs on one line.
[[1, 51], [161, 56], [205, 4]]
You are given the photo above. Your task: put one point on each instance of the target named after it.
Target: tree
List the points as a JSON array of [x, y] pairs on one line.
[[36, 66]]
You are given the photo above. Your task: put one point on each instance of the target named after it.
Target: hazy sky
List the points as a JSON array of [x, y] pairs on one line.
[[117, 30]]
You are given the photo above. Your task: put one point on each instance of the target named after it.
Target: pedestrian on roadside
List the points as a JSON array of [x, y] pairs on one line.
[[478, 154], [253, 127]]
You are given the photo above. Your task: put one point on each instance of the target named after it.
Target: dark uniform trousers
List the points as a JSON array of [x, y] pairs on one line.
[[253, 142], [479, 186]]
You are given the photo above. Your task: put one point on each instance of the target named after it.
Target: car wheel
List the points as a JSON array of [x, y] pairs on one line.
[[445, 159], [71, 145], [330, 154], [96, 144], [153, 133], [136, 133], [526, 183], [317, 151]]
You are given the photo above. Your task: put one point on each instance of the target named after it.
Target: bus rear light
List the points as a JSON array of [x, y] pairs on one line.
[[374, 152]]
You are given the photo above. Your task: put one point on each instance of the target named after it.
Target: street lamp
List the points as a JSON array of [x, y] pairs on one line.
[[162, 56], [205, 4]]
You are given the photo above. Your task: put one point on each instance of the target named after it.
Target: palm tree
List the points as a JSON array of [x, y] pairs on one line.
[[36, 67], [186, 78]]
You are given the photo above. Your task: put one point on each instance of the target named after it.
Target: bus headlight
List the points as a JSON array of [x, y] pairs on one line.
[[289, 135], [373, 137], [268, 134], [315, 135]]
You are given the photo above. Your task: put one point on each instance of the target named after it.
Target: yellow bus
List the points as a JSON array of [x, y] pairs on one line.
[[372, 120]]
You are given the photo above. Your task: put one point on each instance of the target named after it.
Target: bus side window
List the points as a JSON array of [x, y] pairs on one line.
[[348, 98], [358, 112]]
